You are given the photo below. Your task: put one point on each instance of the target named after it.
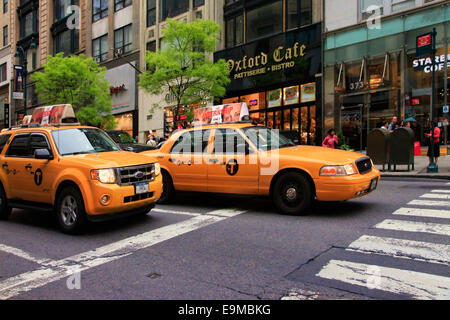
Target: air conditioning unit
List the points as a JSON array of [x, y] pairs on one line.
[[97, 59], [118, 52]]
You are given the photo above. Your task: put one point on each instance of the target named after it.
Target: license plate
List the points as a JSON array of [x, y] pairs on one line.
[[373, 184], [141, 187]]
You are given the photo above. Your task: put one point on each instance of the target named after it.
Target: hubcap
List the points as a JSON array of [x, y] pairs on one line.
[[69, 210], [291, 194]]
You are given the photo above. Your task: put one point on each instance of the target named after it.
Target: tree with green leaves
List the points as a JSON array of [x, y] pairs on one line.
[[78, 81], [184, 67]]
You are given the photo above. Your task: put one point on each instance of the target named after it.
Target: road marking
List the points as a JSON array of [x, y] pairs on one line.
[[441, 191], [430, 203], [414, 226], [24, 255], [58, 270], [436, 196], [416, 250], [417, 285], [428, 213], [176, 212]]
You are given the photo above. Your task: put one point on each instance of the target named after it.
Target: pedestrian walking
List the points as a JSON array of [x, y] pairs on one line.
[[331, 141], [434, 141], [384, 125], [151, 141], [393, 124]]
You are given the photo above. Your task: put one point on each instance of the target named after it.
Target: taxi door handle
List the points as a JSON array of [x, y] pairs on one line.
[[172, 160], [213, 160], [5, 165], [28, 166]]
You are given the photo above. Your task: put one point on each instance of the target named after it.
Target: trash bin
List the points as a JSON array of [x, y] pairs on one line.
[[378, 146], [402, 148]]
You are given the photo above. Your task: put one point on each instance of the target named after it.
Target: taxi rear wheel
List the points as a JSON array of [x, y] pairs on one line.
[[70, 211], [5, 210], [292, 194], [168, 190]]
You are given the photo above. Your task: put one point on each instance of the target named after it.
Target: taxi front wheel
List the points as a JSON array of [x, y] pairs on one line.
[[5, 210], [292, 194], [70, 211], [168, 189]]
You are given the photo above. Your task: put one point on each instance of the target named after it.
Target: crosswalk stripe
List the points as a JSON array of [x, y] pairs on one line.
[[414, 226], [436, 196], [427, 213], [414, 284], [441, 191], [429, 203], [57, 270], [24, 255], [176, 212], [417, 250]]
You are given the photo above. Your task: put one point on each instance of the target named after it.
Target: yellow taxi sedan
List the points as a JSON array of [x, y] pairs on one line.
[[243, 158]]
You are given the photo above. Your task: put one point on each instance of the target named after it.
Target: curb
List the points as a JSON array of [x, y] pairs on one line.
[[416, 176]]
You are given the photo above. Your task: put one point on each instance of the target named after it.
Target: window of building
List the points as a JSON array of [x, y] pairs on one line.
[[28, 24], [99, 9], [5, 6], [151, 12], [298, 13], [120, 4], [60, 7], [172, 8], [401, 5], [151, 46], [234, 31], [371, 8], [198, 3], [66, 41], [100, 48], [123, 39], [265, 20], [5, 35], [3, 72]]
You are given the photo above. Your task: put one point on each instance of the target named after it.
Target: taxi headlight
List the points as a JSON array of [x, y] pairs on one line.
[[338, 171], [157, 169], [104, 175]]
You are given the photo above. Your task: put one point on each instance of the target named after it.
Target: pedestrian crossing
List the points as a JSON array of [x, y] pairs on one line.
[[410, 224]]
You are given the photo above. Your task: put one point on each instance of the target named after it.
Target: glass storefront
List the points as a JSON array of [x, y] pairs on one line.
[[371, 81], [124, 122]]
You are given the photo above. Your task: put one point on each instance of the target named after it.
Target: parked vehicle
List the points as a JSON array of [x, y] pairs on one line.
[[127, 143]]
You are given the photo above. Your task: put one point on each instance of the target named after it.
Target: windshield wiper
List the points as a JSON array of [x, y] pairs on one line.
[[77, 153]]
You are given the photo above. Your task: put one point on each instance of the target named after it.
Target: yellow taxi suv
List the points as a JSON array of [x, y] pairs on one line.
[[75, 171], [243, 158]]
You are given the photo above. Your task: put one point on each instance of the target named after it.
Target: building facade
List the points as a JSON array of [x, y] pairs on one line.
[[274, 52], [5, 63], [155, 111], [371, 72]]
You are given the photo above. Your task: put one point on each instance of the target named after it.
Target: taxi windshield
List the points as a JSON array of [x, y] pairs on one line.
[[267, 139], [121, 137], [82, 141]]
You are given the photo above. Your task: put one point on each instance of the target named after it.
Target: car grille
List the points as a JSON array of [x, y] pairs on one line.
[[138, 197], [131, 175], [364, 165]]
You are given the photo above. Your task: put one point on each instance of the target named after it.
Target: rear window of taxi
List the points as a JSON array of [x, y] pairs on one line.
[[4, 138]]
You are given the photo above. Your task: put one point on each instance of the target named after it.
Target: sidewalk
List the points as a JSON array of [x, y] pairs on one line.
[[420, 169]]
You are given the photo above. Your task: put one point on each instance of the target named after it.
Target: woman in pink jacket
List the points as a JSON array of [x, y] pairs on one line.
[[331, 141]]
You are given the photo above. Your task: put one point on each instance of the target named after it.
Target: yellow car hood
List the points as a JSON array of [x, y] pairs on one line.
[[113, 159]]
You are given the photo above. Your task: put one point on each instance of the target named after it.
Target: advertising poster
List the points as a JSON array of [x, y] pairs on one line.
[[274, 98], [291, 95], [219, 114], [52, 114], [308, 92]]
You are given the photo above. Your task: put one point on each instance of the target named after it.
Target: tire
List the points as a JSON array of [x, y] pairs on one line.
[[168, 193], [5, 210], [70, 211], [292, 194]]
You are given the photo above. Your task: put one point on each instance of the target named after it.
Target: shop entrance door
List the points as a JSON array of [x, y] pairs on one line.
[[354, 121]]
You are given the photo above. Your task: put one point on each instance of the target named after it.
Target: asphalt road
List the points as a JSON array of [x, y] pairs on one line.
[[391, 244]]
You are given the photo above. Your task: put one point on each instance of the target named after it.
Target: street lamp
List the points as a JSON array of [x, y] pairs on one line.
[[22, 53]]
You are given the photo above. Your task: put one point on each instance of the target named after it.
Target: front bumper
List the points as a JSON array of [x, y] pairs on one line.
[[345, 188], [121, 198]]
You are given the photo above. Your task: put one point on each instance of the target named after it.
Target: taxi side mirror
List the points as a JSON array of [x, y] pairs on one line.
[[42, 154]]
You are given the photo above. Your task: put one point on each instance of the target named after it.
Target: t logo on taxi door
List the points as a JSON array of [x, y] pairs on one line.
[[38, 177], [232, 167]]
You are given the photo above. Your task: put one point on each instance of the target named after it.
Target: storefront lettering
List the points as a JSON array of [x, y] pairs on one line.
[[281, 55], [426, 64]]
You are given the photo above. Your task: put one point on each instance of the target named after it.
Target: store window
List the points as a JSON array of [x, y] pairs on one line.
[[264, 21], [100, 48], [172, 8], [120, 4], [298, 13], [123, 39], [151, 13], [99, 9]]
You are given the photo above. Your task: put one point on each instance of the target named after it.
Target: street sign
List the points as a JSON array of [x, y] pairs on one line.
[[445, 109], [18, 95], [424, 45]]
